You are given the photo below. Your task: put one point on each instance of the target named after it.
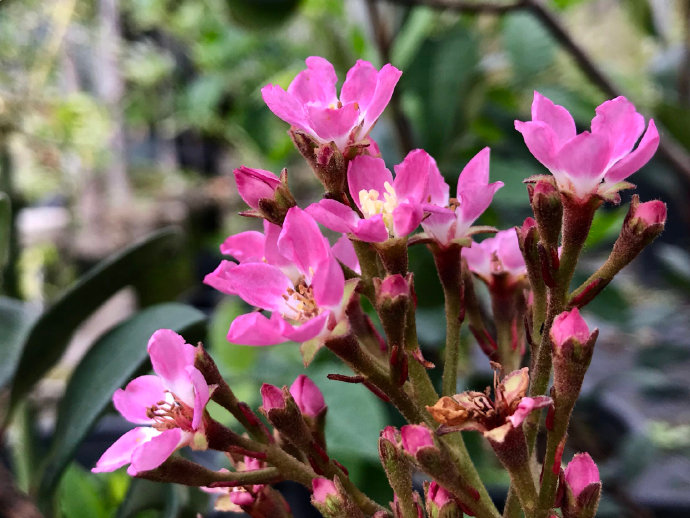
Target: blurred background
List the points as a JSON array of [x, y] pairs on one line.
[[121, 117]]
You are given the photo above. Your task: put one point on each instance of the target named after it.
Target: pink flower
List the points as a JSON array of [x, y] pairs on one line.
[[172, 403], [312, 106], [323, 488], [580, 473], [569, 325], [496, 255], [390, 207], [651, 212], [302, 286], [415, 437], [308, 397], [451, 219], [255, 184], [580, 162]]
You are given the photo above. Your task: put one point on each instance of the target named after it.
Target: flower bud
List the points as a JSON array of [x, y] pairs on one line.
[[569, 325], [271, 398], [326, 160], [331, 501], [440, 502], [308, 397], [548, 211], [267, 195], [415, 437], [649, 213], [582, 487], [323, 489]]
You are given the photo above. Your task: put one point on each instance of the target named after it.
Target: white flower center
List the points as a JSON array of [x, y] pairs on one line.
[[371, 203]]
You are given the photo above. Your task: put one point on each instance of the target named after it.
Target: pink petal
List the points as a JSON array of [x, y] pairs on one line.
[[221, 279], [255, 184], [620, 122], [201, 395], [333, 215], [316, 84], [245, 246], [260, 284], [639, 157], [651, 212], [344, 251], [440, 224], [333, 124], [120, 453], [156, 450], [476, 172], [365, 173], [581, 472], [360, 84], [474, 200], [271, 252], [439, 190], [569, 325], [301, 241], [387, 79], [583, 160], [170, 357], [541, 141], [307, 330], [371, 230], [478, 258], [412, 176], [526, 406], [139, 394], [241, 498], [508, 252], [414, 437], [328, 283], [255, 329], [394, 286], [286, 107], [554, 116], [307, 395], [406, 218]]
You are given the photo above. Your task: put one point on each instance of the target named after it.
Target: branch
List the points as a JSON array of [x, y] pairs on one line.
[[467, 6]]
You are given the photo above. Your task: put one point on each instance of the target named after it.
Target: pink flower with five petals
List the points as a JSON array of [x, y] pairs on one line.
[[172, 403], [498, 255], [451, 219], [311, 104], [581, 161], [306, 296], [390, 207]]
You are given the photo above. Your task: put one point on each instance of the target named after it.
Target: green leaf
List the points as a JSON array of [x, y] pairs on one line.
[[52, 332], [5, 224], [528, 45], [110, 362], [606, 226], [16, 319], [145, 494], [80, 495], [407, 41]]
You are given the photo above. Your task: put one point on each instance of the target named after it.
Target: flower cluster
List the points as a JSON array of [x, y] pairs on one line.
[[304, 286]]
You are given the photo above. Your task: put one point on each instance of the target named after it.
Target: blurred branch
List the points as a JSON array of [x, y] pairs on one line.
[[669, 148], [383, 42]]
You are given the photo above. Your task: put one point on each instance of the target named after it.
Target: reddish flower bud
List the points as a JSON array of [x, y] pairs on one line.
[[415, 437], [548, 211], [307, 396], [582, 487], [272, 397], [255, 184], [323, 488], [391, 434], [580, 473], [569, 325], [650, 213], [394, 286]]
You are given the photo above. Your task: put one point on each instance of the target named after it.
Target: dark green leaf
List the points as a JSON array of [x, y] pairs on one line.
[[606, 226], [528, 44], [110, 362], [5, 222], [16, 319], [52, 332], [144, 494]]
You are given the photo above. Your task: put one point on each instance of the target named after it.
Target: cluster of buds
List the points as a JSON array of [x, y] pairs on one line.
[[304, 288]]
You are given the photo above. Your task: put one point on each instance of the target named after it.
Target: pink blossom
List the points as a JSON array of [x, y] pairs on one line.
[[172, 402], [255, 184], [415, 437], [301, 285], [580, 473], [391, 207], [651, 212], [322, 488], [569, 325], [312, 106], [496, 256], [451, 219], [308, 397], [580, 162]]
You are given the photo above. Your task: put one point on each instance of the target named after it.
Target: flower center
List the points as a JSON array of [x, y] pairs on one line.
[[170, 413], [371, 203], [300, 301]]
